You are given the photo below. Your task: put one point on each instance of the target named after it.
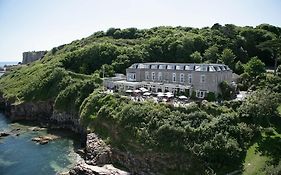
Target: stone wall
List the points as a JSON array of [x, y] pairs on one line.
[[28, 57]]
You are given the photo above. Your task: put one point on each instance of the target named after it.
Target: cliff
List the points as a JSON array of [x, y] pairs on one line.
[[29, 57], [43, 112]]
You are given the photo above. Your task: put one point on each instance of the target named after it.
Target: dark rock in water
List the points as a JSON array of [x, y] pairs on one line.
[[43, 142], [85, 169], [81, 152], [44, 139], [36, 128], [4, 134]]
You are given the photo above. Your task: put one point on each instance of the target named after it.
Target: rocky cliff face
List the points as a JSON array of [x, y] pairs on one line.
[[29, 57], [97, 152], [67, 120], [40, 111], [43, 112]]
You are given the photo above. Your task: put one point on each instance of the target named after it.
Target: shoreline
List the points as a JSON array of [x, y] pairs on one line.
[[42, 114]]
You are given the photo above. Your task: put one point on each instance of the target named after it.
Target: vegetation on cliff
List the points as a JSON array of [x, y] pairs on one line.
[[218, 136]]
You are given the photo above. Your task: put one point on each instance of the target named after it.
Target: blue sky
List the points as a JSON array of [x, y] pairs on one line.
[[27, 25]]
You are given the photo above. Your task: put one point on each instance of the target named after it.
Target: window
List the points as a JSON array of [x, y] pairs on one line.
[[212, 69], [146, 75], [160, 76], [197, 68], [131, 76], [171, 67], [189, 67], [174, 77], [203, 68], [154, 66], [202, 80], [162, 66], [153, 76], [141, 66], [134, 66], [179, 67], [181, 77], [189, 78], [200, 94]]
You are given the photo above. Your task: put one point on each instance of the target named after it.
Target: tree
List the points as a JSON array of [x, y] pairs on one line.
[[274, 46], [239, 69], [255, 67], [260, 107], [211, 54], [228, 57], [196, 57], [227, 91]]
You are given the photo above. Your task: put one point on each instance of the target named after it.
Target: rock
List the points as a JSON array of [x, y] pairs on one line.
[[36, 128], [98, 153], [81, 152], [63, 173], [44, 139], [85, 169], [4, 134]]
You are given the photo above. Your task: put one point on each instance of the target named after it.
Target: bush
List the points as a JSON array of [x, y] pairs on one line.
[[211, 96]]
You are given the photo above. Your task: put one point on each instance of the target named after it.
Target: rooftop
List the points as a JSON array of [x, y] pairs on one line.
[[181, 66]]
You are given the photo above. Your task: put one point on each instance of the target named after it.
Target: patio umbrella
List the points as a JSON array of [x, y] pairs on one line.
[[169, 95], [182, 97], [143, 89], [129, 91], [147, 93], [160, 94]]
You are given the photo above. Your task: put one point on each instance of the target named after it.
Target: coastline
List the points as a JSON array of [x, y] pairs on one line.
[[42, 114]]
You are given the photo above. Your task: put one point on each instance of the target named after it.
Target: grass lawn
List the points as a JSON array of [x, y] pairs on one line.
[[254, 161]]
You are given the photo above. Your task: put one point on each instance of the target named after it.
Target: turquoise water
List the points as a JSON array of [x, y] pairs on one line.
[[2, 64], [21, 156]]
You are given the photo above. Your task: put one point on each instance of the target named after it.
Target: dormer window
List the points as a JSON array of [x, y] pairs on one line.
[[171, 67], [189, 67], [162, 66], [212, 69], [179, 67], [153, 66]]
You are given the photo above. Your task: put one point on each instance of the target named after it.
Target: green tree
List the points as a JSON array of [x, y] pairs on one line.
[[260, 107], [211, 54], [239, 69], [255, 67], [228, 57], [227, 91], [274, 46], [196, 57]]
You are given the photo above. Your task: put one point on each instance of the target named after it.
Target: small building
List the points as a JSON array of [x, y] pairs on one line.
[[173, 77]]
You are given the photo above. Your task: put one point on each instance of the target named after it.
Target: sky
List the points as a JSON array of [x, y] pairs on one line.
[[27, 25]]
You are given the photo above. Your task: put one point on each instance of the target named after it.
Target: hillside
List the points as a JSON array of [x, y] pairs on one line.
[[209, 137]]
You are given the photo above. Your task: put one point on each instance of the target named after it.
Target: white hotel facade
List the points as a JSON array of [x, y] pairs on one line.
[[172, 77]]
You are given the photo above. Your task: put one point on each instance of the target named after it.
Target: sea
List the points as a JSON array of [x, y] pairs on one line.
[[2, 64], [19, 155]]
